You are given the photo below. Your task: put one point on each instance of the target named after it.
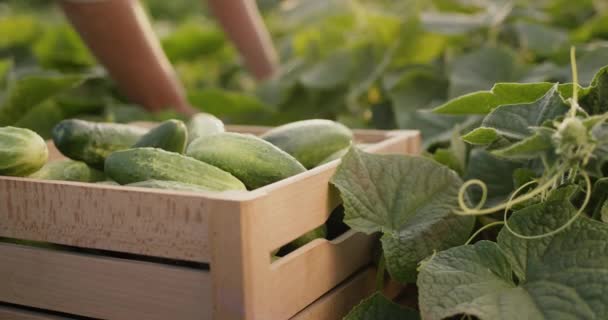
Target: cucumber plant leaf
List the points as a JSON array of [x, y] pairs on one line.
[[412, 93], [481, 136], [497, 174], [409, 199], [529, 148], [541, 40], [25, 93], [481, 69], [564, 276], [328, 73], [518, 120], [378, 307], [483, 102], [5, 68], [596, 101]]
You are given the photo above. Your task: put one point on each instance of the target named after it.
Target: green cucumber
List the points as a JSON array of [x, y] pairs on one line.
[[68, 170], [170, 135], [22, 151], [92, 142], [318, 233], [254, 161], [203, 124], [168, 185], [310, 141], [141, 164]]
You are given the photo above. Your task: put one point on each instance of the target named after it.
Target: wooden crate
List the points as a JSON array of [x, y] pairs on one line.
[[222, 241]]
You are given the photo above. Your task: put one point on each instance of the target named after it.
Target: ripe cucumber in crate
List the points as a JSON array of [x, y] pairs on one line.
[[141, 164], [92, 142], [22, 151], [254, 161], [203, 124], [69, 170], [310, 141], [171, 135]]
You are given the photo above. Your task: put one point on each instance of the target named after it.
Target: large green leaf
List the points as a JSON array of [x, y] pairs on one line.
[[18, 31], [542, 40], [410, 199], [483, 102], [328, 73], [529, 148], [412, 92], [28, 91], [592, 59], [564, 276], [517, 121], [61, 48], [192, 40], [222, 102], [481, 69], [5, 68], [378, 307], [596, 100], [496, 173]]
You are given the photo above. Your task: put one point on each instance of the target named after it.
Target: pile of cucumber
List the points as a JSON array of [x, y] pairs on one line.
[[197, 156]]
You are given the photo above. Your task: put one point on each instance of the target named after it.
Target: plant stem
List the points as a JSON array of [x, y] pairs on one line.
[[487, 226]]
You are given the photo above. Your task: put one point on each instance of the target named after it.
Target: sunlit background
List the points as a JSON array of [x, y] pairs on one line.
[[377, 64]]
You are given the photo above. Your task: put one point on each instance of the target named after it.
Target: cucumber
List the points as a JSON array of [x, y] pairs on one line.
[[170, 185], [141, 164], [310, 141], [203, 124], [170, 135], [254, 161], [22, 152], [318, 233], [92, 142], [69, 170]]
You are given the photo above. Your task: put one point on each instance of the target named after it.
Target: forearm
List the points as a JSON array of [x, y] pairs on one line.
[[242, 22], [120, 36]]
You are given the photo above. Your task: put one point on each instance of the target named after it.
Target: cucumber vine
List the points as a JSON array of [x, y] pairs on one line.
[[574, 145]]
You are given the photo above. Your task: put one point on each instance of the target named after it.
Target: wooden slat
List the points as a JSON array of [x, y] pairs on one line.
[[335, 304], [338, 302], [277, 214], [321, 265], [149, 222], [101, 287], [8, 313]]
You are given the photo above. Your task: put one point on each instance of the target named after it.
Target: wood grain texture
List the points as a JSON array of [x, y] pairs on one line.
[[105, 217], [336, 304], [321, 265], [275, 215], [102, 287], [8, 313], [234, 232], [285, 201]]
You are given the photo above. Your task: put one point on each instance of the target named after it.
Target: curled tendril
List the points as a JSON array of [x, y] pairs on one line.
[[565, 225], [462, 196], [466, 210], [487, 226]]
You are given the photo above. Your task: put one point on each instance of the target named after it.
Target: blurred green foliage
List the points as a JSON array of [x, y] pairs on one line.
[[366, 63]]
